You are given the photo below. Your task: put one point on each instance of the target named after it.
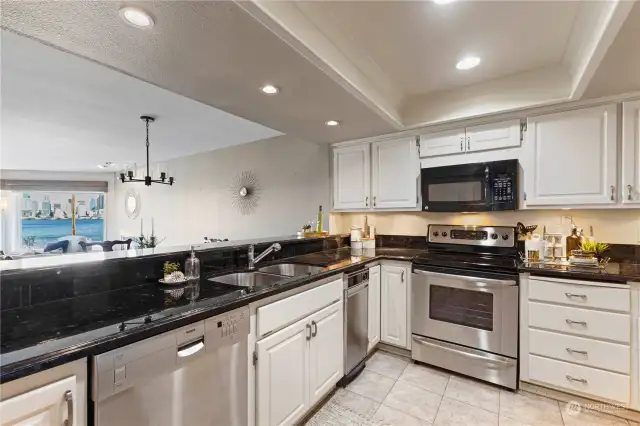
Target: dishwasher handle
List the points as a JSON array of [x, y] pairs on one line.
[[356, 289], [191, 348]]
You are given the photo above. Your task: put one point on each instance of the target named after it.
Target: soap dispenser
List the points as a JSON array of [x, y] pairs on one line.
[[192, 266]]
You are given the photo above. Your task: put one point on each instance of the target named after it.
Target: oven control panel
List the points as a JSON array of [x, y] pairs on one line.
[[495, 236]]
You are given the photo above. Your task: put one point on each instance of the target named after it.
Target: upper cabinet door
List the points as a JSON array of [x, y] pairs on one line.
[[505, 134], [443, 143], [569, 158], [351, 177], [48, 405], [631, 152], [395, 174]]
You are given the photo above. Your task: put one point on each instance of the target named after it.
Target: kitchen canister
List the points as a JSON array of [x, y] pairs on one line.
[[356, 234]]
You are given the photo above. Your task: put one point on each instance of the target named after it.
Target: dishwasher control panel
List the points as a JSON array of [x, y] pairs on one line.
[[227, 328]]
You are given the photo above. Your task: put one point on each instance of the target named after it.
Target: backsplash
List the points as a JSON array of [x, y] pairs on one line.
[[610, 226]]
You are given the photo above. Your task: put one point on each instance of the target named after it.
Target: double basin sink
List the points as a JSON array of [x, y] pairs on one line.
[[268, 275]]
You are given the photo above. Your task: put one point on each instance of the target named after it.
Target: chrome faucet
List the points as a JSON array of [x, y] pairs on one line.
[[253, 260]]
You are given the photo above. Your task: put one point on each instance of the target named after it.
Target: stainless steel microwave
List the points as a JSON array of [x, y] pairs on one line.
[[472, 187]]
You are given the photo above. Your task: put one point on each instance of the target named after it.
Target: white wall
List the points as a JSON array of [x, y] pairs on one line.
[[293, 175], [611, 226]]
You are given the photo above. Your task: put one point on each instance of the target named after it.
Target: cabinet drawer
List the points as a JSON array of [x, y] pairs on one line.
[[593, 353], [588, 296], [582, 322], [586, 380], [286, 311]]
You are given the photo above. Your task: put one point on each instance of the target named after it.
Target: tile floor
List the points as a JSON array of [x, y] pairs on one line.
[[392, 391]]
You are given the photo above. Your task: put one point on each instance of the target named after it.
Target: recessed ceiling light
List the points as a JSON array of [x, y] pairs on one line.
[[443, 1], [269, 89], [468, 63], [107, 165], [136, 17], [332, 123]]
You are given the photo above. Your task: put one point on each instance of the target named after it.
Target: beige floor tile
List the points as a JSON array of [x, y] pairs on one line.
[[425, 378], [456, 413], [474, 393], [585, 418], [387, 364], [371, 385], [530, 409], [387, 416], [414, 401], [506, 421], [364, 407]]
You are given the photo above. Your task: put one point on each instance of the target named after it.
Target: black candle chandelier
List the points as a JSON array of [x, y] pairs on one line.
[[147, 179]]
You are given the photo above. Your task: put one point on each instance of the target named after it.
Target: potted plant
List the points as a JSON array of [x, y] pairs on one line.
[[172, 272], [595, 248]]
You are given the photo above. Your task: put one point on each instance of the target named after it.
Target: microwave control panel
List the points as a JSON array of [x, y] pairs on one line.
[[502, 189]]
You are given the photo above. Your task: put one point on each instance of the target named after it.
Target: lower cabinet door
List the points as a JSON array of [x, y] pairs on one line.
[[282, 377], [394, 288], [326, 361], [49, 405], [374, 307]]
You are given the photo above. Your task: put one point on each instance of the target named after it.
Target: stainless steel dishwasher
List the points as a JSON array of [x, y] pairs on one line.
[[356, 323], [195, 375]]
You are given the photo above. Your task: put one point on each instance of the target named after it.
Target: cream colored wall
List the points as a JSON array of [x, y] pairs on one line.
[[611, 226]]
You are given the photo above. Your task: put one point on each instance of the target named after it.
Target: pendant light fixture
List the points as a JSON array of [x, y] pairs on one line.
[[147, 179]]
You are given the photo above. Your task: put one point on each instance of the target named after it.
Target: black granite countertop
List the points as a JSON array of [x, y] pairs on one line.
[[43, 336], [613, 272]]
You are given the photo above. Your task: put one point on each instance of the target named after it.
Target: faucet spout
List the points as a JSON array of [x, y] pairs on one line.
[[255, 259]]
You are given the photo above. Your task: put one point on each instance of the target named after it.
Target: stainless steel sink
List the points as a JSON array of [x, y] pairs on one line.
[[291, 269], [248, 279]]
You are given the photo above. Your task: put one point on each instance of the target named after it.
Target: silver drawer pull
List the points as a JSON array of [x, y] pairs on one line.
[[573, 379], [573, 351], [68, 397], [576, 296], [570, 322]]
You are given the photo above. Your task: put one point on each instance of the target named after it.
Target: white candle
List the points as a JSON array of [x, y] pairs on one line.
[[141, 227], [152, 226]]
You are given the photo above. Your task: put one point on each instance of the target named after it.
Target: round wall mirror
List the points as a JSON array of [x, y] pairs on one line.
[[132, 204]]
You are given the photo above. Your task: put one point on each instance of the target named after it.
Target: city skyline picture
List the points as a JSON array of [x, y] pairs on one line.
[[57, 205]]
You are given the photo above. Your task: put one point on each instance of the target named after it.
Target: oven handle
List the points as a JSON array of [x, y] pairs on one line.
[[489, 360], [475, 281]]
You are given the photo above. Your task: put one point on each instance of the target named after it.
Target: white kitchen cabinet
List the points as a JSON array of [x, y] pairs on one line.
[[394, 307], [374, 307], [352, 177], [631, 152], [326, 361], [570, 158], [395, 173], [443, 143], [49, 405], [283, 376], [500, 135]]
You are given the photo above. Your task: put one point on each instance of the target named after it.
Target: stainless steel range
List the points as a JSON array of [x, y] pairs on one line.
[[465, 302]]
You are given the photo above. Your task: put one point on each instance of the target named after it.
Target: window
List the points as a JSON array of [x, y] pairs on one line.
[[46, 217]]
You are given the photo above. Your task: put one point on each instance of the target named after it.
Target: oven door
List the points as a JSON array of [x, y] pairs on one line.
[[473, 309]]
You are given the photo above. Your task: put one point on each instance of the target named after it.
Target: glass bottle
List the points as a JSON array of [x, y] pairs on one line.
[[192, 266], [573, 241], [319, 228]]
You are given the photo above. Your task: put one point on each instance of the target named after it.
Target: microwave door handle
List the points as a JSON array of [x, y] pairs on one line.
[[472, 281]]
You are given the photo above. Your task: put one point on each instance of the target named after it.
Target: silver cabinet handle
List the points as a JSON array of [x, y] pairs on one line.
[[573, 379], [630, 189], [374, 201], [191, 348], [402, 276], [573, 351], [314, 333], [309, 332], [613, 192], [462, 143], [366, 201], [468, 143], [584, 323], [68, 397], [579, 296]]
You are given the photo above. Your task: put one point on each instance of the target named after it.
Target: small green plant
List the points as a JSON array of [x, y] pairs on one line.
[[594, 246], [29, 241], [171, 267], [147, 242]]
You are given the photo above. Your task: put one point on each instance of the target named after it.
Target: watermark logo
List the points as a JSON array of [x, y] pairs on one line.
[[573, 408]]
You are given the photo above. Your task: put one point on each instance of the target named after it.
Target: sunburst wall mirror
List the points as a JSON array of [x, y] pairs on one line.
[[245, 192]]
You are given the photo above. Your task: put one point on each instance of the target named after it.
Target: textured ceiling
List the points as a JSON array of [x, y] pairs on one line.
[[417, 43], [208, 51], [619, 71], [62, 112]]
